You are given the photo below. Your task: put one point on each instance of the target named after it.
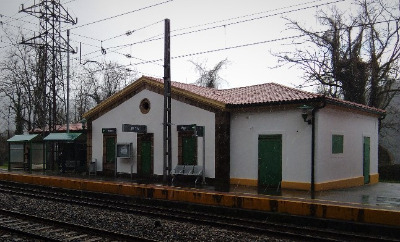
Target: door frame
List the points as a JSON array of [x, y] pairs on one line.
[[108, 167], [277, 137], [141, 138], [181, 136], [366, 159]]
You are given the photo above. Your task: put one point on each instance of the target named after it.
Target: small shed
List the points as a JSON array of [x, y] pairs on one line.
[[26, 152], [66, 151]]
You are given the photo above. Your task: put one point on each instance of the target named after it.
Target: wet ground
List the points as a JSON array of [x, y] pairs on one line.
[[381, 195]]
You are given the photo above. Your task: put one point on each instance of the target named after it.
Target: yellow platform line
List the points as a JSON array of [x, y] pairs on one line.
[[262, 203]]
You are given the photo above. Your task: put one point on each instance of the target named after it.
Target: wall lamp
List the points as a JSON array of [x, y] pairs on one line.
[[306, 113], [83, 122]]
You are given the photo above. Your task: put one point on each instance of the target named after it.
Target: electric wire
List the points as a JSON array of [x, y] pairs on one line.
[[223, 25], [122, 14], [219, 21], [243, 16], [156, 37], [129, 32], [254, 43], [213, 50], [69, 1], [16, 19]]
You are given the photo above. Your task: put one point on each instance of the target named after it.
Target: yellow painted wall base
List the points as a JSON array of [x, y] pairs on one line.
[[351, 182], [305, 186], [244, 182], [374, 178]]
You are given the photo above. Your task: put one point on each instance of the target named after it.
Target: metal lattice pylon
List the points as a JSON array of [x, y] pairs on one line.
[[50, 45]]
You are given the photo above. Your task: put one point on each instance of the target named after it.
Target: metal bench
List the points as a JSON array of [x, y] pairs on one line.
[[187, 170], [198, 172]]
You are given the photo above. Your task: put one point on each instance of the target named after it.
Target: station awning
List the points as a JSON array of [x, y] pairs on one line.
[[68, 137], [25, 138]]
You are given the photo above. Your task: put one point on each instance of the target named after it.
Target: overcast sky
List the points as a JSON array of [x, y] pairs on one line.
[[231, 26]]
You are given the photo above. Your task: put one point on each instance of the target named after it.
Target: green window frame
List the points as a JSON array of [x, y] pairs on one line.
[[337, 144]]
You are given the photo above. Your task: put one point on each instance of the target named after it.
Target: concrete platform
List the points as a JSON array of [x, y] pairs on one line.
[[375, 204]]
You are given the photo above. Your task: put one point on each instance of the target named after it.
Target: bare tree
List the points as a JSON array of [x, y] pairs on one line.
[[18, 85], [209, 77], [98, 81], [356, 58]]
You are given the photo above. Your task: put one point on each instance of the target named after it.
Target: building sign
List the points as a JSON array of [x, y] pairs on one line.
[[109, 130], [199, 130], [134, 128], [183, 128]]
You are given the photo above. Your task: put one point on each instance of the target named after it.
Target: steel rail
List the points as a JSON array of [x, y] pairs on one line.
[[259, 225]]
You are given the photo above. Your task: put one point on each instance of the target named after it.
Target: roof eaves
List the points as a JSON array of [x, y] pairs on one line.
[[183, 92], [152, 82], [275, 103], [109, 101], [357, 106]]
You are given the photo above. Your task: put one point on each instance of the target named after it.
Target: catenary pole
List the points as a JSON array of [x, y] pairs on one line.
[[67, 118], [167, 105]]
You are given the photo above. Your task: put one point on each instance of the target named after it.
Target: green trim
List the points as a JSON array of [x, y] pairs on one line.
[[62, 137], [25, 138]]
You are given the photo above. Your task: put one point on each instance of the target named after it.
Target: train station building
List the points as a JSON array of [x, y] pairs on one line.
[[264, 135]]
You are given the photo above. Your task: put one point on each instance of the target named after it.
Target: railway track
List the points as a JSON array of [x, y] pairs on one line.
[[46, 229], [238, 220]]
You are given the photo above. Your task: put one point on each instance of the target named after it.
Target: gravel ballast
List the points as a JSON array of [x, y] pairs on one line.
[[139, 225]]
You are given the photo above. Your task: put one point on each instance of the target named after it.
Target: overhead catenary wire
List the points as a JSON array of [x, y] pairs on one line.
[[222, 25], [211, 51], [129, 32], [122, 14], [250, 44], [156, 37], [69, 1], [242, 16], [16, 19], [219, 21], [126, 33]]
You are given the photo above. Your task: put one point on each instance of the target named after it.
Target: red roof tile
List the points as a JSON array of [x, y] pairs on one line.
[[263, 93], [268, 93], [61, 128]]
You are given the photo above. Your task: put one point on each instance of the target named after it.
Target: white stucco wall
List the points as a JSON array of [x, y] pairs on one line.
[[129, 113], [296, 143], [353, 126]]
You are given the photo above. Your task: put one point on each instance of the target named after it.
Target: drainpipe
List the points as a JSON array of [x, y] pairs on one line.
[[314, 111]]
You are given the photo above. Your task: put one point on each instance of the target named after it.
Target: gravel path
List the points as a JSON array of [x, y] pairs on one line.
[[159, 229]]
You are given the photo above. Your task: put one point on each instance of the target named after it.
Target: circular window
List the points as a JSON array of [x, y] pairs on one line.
[[144, 106]]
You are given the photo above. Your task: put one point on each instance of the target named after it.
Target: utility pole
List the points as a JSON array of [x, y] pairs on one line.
[[67, 118], [167, 105], [51, 44]]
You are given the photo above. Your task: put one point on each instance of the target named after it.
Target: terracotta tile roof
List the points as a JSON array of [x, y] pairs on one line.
[[61, 128], [267, 94], [257, 94]]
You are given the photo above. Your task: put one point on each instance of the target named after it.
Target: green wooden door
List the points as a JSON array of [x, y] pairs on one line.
[[366, 159], [146, 158], [270, 160], [189, 150], [110, 150]]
